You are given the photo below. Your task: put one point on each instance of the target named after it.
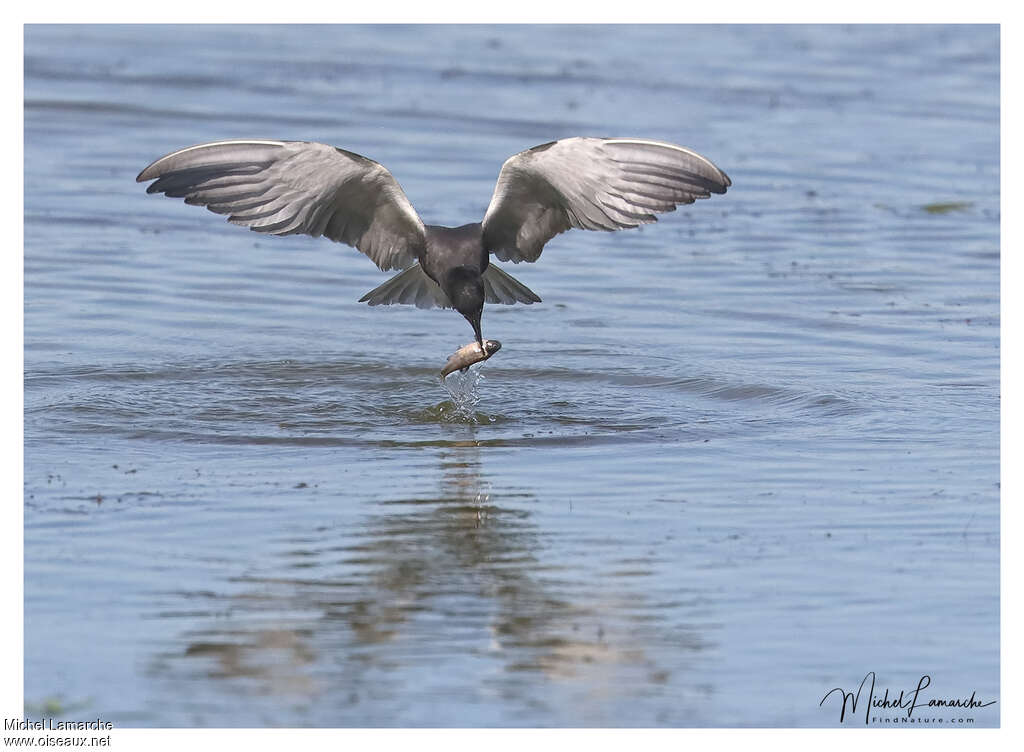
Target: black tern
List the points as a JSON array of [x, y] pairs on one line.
[[290, 187]]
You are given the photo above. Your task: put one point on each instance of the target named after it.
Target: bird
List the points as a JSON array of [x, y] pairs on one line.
[[310, 188]]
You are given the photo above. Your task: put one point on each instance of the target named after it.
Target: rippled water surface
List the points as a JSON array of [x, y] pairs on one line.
[[733, 460]]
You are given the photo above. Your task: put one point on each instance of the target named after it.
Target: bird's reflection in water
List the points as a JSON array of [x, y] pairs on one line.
[[426, 584]]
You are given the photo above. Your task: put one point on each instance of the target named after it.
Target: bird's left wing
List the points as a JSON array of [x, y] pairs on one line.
[[287, 187], [592, 184]]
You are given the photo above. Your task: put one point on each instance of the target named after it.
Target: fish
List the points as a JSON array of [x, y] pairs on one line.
[[469, 354]]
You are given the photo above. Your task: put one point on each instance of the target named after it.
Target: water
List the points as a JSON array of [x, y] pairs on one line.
[[464, 395], [734, 460]]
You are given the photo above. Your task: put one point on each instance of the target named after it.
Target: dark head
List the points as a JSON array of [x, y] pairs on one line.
[[465, 288]]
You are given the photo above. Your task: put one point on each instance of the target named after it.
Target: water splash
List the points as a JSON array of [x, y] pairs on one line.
[[463, 389]]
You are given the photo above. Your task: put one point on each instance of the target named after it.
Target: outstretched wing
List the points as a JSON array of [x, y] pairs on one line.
[[593, 184], [287, 187]]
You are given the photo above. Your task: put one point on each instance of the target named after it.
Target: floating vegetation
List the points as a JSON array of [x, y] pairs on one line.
[[53, 707], [947, 207]]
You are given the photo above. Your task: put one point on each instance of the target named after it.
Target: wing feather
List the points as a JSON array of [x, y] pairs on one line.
[[592, 184], [290, 187]]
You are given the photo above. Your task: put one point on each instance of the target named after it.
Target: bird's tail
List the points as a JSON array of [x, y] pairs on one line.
[[502, 287], [412, 287]]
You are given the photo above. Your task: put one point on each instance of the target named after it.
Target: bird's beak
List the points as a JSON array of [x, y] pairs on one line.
[[475, 322]]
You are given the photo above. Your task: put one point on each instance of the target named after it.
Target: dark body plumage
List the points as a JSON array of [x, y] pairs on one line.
[[456, 259], [288, 187]]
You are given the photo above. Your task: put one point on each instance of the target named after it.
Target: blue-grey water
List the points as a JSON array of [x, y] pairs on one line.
[[734, 459]]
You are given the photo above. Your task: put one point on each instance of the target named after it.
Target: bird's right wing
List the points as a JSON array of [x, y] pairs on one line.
[[286, 187], [593, 184]]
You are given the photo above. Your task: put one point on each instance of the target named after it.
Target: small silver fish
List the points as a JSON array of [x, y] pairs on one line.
[[469, 354]]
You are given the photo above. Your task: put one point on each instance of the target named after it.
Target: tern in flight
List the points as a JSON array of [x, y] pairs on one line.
[[301, 187]]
